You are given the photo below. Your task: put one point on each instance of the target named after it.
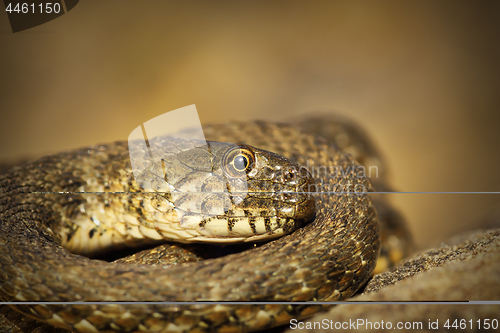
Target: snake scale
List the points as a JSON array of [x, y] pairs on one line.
[[328, 259]]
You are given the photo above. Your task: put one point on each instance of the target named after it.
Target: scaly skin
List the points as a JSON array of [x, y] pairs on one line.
[[328, 259]]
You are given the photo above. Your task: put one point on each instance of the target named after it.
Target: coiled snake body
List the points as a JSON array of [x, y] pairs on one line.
[[328, 259]]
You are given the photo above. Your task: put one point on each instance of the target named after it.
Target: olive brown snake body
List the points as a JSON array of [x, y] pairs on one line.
[[327, 259]]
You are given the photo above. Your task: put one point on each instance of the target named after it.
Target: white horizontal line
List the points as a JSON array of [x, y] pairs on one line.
[[255, 303], [338, 193]]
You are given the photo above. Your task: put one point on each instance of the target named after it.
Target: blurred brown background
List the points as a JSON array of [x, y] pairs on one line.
[[422, 77]]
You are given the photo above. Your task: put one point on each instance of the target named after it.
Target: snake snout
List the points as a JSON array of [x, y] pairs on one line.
[[306, 204]]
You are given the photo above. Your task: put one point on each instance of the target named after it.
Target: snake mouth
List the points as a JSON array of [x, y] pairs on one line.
[[265, 212], [247, 229]]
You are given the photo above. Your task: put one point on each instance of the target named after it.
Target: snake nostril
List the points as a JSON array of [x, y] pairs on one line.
[[290, 175]]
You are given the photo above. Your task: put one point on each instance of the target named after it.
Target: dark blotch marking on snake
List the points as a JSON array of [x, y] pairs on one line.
[[267, 223], [71, 233], [230, 224], [203, 223], [252, 224]]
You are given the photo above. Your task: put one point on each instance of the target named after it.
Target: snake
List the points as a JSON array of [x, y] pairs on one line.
[[60, 211]]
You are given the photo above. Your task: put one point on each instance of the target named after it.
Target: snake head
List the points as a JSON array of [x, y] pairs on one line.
[[232, 193], [277, 199]]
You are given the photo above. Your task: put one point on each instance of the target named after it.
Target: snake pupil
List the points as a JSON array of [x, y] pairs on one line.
[[237, 161], [240, 162]]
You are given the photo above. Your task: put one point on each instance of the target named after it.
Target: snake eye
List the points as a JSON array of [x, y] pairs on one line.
[[238, 161]]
